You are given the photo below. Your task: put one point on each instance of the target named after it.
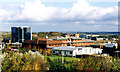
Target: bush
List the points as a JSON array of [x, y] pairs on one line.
[[56, 65], [21, 62], [97, 64], [49, 54]]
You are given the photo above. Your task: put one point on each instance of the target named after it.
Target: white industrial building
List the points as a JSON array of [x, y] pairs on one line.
[[73, 51], [111, 45]]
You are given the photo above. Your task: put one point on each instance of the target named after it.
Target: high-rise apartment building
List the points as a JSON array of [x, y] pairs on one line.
[[21, 33]]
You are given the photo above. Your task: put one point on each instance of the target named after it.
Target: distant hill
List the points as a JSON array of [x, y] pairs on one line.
[[100, 33], [49, 34]]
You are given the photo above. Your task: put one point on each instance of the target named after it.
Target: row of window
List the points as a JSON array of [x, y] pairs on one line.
[[60, 52], [69, 40], [83, 43], [55, 44]]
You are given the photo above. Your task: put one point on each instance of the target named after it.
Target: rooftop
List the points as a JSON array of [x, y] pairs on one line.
[[69, 48], [23, 26]]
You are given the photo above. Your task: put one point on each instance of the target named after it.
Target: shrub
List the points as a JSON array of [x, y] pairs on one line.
[[49, 54], [21, 62], [97, 64]]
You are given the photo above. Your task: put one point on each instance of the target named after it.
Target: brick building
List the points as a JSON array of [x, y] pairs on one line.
[[46, 44], [42, 44]]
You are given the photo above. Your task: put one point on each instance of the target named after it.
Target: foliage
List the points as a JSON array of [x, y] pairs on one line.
[[49, 54], [20, 62], [69, 59], [102, 36], [89, 64], [98, 64], [0, 51], [35, 61], [49, 34], [57, 65], [113, 36], [33, 38]]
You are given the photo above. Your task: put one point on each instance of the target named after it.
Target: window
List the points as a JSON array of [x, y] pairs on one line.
[[70, 52], [85, 50], [53, 51], [90, 51], [79, 49]]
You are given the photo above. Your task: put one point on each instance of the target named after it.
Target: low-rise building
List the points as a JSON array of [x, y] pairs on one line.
[[42, 44], [108, 47], [73, 41], [13, 45], [73, 51], [98, 38], [46, 43], [111, 45]]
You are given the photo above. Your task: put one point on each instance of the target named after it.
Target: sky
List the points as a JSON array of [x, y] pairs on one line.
[[60, 15]]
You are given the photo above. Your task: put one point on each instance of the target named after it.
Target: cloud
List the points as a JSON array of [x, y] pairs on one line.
[[35, 12], [80, 13], [4, 14]]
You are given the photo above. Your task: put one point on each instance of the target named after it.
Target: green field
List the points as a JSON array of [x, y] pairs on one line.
[[67, 58]]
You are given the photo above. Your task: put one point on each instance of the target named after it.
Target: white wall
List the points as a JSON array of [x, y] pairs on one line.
[[87, 51], [64, 53]]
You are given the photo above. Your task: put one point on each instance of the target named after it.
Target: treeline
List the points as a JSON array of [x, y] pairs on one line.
[[108, 36], [49, 34], [90, 64]]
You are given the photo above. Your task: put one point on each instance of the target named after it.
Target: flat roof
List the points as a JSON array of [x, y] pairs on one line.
[[69, 48], [60, 39], [22, 26], [76, 38]]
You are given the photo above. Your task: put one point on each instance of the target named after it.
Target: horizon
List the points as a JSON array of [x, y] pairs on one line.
[[70, 31]]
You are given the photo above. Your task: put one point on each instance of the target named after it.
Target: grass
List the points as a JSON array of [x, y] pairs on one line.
[[67, 58]]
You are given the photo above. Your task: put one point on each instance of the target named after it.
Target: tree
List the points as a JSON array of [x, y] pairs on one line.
[[26, 61]]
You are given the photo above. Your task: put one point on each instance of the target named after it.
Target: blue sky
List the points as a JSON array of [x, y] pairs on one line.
[[60, 15]]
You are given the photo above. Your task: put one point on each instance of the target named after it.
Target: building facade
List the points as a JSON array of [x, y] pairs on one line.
[[73, 51], [41, 44], [74, 41], [46, 44], [20, 33]]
